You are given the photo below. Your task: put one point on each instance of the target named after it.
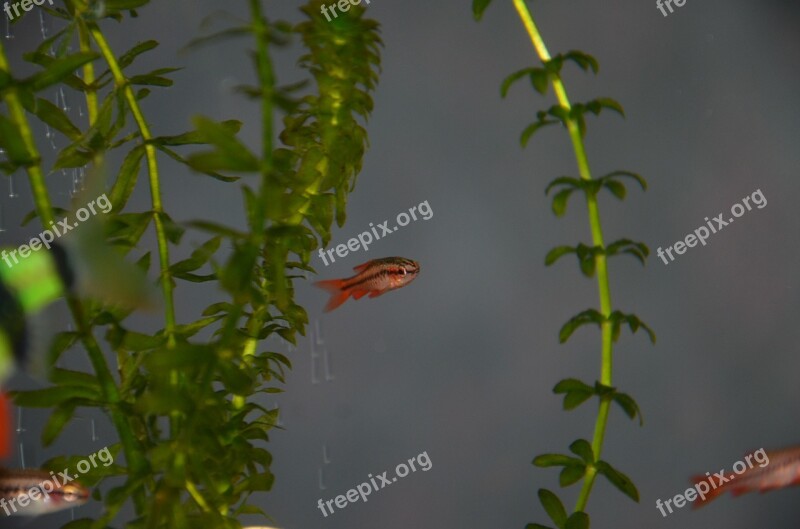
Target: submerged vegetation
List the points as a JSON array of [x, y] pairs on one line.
[[593, 262], [183, 399]]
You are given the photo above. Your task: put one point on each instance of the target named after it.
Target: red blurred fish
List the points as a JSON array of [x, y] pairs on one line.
[[776, 469], [374, 278]]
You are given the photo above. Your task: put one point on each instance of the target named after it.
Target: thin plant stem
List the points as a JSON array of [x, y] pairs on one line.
[[88, 74], [155, 188], [266, 81], [600, 259]]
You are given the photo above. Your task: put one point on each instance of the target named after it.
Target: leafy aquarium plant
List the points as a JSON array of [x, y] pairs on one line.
[[584, 464], [183, 399]]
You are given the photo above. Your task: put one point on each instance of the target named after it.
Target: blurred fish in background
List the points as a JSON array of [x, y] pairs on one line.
[[37, 492], [81, 263]]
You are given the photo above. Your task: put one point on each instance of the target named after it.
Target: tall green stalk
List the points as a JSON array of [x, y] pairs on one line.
[[606, 357], [593, 260]]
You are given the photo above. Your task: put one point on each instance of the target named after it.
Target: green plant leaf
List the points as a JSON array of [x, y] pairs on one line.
[[571, 474], [573, 399], [556, 253], [58, 70], [196, 137], [586, 317], [629, 406], [479, 7], [58, 420], [531, 129], [553, 507], [538, 77], [618, 318], [582, 448], [230, 154], [127, 58], [618, 479], [617, 188], [52, 396], [565, 181], [571, 384], [578, 520], [199, 257], [53, 116], [637, 249], [584, 61], [555, 460], [219, 36], [127, 177], [635, 176], [560, 201]]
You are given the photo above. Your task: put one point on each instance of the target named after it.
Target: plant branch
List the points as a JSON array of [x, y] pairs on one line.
[[600, 258], [152, 166]]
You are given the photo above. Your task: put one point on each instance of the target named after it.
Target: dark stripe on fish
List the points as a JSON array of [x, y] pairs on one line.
[[12, 322], [63, 266], [365, 279]]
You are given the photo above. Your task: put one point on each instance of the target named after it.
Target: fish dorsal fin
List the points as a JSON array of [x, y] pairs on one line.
[[360, 268]]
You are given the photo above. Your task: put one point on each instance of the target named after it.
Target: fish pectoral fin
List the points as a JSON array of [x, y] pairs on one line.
[[358, 294]]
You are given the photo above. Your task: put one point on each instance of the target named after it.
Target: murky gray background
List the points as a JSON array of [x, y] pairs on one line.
[[461, 363]]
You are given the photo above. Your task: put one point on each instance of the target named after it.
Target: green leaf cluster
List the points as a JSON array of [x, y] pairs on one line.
[[576, 393], [184, 399]]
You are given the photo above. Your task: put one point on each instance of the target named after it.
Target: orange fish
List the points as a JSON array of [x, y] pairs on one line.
[[775, 469], [374, 278]]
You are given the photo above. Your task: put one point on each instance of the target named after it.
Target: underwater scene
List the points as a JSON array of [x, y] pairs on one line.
[[336, 264]]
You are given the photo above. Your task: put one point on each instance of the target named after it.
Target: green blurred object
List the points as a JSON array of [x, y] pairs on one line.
[[35, 280]]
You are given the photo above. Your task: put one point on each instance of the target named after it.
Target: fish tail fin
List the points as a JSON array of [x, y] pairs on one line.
[[706, 497], [336, 289]]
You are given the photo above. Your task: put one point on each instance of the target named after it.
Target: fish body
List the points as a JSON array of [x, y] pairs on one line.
[[37, 492], [782, 469], [374, 277]]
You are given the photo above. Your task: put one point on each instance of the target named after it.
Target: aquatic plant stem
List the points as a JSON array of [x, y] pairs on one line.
[[44, 209], [155, 188], [266, 82], [88, 74], [600, 259]]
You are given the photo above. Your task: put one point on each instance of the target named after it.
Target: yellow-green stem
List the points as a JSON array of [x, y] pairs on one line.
[[88, 74], [600, 259], [155, 188], [266, 81]]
